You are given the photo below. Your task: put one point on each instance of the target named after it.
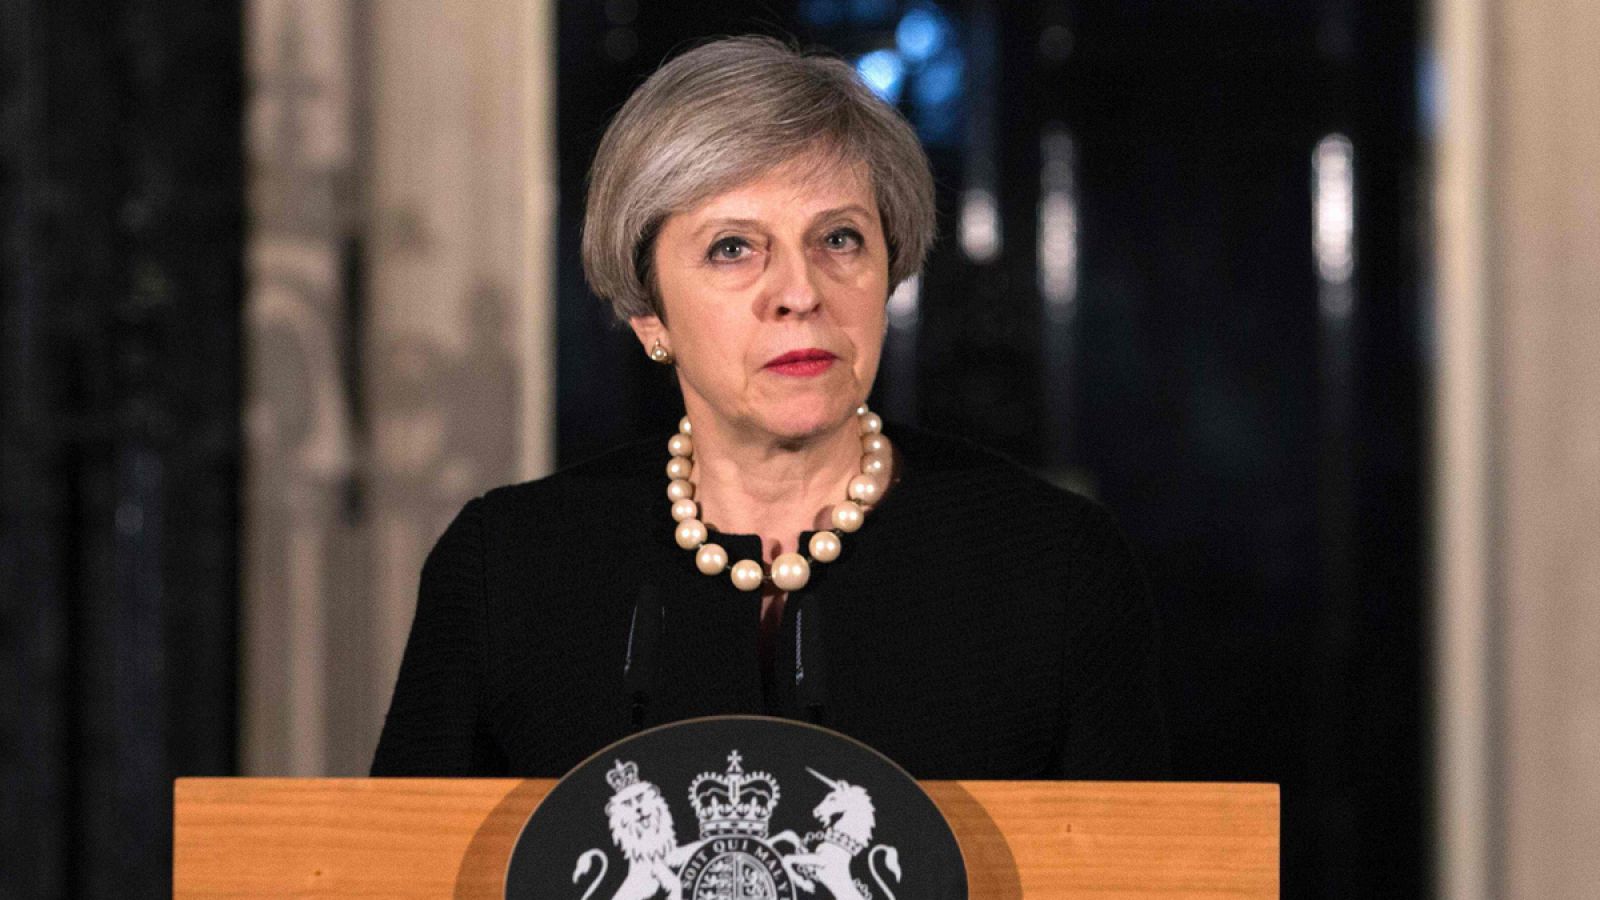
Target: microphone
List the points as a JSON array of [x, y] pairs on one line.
[[645, 634], [644, 642], [810, 662]]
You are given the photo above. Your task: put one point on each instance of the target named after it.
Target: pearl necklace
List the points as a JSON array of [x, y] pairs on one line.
[[790, 571]]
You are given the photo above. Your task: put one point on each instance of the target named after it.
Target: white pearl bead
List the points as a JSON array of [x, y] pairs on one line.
[[684, 509], [847, 516], [875, 464], [790, 572], [746, 575], [691, 533], [825, 546], [711, 559], [864, 489]]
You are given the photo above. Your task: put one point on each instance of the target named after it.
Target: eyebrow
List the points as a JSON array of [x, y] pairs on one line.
[[711, 224], [839, 211], [730, 221]]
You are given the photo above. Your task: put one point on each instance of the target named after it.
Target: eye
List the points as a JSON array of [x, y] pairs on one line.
[[729, 249], [843, 239]]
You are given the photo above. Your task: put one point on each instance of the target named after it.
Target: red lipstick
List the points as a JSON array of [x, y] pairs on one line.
[[801, 363]]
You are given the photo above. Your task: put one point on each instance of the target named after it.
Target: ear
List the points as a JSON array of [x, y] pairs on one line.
[[648, 329]]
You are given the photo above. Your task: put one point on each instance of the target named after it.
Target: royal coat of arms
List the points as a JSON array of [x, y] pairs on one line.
[[736, 856]]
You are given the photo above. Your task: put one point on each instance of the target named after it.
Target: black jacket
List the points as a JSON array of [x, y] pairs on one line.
[[981, 624]]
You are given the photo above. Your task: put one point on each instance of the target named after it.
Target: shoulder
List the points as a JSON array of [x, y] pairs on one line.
[[593, 489], [1005, 512], [604, 499], [950, 470]]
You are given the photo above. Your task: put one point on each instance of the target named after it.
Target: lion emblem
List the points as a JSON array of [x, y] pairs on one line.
[[641, 827]]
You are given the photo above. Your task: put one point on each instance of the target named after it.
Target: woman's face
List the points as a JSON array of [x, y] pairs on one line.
[[774, 296]]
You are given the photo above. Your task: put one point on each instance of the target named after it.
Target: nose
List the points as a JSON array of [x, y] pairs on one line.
[[794, 284]]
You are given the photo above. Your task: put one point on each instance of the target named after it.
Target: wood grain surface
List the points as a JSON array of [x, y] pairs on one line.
[[399, 837]]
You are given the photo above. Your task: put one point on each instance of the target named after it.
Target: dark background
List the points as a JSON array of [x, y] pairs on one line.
[[1265, 459], [121, 294]]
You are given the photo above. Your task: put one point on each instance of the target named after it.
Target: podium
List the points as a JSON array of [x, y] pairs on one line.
[[404, 837]]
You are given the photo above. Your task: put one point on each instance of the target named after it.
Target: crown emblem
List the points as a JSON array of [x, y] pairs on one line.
[[623, 775], [734, 804]]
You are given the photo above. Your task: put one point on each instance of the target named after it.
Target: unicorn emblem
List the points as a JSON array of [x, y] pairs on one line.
[[848, 819]]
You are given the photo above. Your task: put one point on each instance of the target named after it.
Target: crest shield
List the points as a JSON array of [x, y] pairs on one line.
[[737, 808]]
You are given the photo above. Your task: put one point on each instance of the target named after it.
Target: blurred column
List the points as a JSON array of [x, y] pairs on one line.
[[1333, 244], [1517, 491], [900, 351], [1057, 256], [1547, 297], [1462, 452], [978, 225], [398, 332]]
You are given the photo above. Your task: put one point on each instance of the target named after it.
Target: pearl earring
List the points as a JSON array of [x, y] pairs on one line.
[[660, 354]]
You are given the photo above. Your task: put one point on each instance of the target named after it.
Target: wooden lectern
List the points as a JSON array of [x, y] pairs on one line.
[[313, 837]]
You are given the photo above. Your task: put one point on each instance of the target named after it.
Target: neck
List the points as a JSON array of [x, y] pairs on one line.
[[772, 488]]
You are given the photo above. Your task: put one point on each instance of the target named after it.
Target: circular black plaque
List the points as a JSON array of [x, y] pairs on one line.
[[741, 807]]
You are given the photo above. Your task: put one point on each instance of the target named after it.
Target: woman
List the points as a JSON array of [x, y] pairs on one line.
[[750, 209]]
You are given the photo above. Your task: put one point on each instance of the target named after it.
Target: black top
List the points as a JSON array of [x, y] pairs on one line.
[[981, 624]]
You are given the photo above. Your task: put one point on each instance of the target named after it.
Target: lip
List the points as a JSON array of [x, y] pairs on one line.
[[801, 363]]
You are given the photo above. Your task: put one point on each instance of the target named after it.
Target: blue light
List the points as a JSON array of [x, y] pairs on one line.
[[922, 32], [883, 71], [937, 125], [940, 82]]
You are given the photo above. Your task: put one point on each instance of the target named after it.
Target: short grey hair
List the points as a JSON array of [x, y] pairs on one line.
[[721, 115]]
